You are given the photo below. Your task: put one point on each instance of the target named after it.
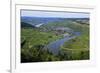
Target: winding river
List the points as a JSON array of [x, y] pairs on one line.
[[54, 47]]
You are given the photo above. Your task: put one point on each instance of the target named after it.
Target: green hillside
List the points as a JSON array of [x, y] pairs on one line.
[[34, 40]]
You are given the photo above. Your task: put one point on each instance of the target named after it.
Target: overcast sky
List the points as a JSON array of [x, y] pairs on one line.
[[31, 13]]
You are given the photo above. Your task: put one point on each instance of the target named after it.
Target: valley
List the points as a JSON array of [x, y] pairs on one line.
[[54, 39]]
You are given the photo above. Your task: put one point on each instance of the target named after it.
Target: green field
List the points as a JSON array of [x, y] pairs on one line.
[[34, 40]]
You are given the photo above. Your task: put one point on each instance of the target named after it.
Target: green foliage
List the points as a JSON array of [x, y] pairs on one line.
[[33, 41], [37, 55], [80, 42], [78, 48], [84, 29], [34, 37]]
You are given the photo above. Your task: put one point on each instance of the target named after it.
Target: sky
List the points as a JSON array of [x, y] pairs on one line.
[[45, 14]]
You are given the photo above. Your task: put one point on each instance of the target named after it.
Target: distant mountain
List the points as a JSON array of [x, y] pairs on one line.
[[23, 25], [39, 20]]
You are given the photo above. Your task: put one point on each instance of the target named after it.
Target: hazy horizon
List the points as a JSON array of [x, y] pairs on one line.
[[48, 14]]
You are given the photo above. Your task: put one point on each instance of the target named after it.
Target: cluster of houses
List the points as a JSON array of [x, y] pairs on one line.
[[63, 30]]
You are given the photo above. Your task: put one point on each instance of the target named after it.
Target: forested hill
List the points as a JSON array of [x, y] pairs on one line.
[[24, 25]]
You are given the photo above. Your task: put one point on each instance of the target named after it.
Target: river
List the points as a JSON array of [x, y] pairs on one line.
[[54, 46]]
